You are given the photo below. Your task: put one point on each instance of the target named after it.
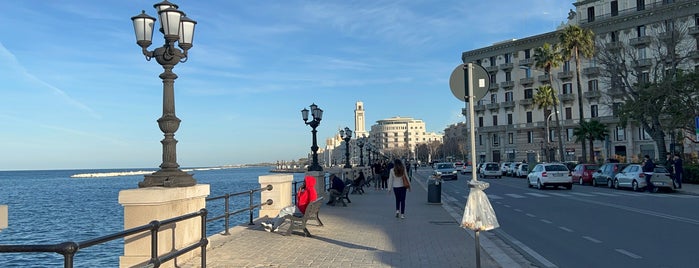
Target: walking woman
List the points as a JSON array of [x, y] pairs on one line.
[[399, 184]]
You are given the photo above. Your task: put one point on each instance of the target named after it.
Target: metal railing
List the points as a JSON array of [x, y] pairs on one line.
[[70, 248], [227, 214]]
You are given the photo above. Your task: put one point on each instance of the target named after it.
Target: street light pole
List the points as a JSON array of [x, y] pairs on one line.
[[360, 143], [176, 27], [317, 114], [346, 135], [368, 150], [548, 137]]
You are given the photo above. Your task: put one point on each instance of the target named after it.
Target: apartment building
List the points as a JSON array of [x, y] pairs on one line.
[[511, 128], [398, 136]]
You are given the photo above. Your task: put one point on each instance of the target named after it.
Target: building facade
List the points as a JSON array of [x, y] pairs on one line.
[[398, 136], [509, 125]]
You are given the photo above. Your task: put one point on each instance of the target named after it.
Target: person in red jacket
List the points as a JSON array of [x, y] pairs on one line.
[[305, 196]]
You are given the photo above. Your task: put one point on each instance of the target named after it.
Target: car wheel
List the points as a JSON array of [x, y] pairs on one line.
[[594, 183], [634, 185], [609, 184], [529, 183], [570, 186], [538, 185], [580, 181], [616, 184]]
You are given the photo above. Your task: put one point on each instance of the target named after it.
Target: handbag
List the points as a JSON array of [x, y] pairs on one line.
[[406, 183]]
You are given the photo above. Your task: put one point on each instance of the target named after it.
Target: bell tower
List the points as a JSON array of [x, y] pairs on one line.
[[359, 120]]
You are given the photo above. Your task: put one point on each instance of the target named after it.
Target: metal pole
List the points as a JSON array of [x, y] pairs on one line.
[[478, 250]]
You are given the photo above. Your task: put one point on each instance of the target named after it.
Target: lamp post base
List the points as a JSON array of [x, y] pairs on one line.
[[315, 167], [168, 178]]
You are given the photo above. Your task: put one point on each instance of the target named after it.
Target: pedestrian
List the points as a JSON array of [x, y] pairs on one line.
[[385, 170], [399, 184], [305, 196], [648, 168], [336, 188], [678, 170], [410, 171], [669, 164]]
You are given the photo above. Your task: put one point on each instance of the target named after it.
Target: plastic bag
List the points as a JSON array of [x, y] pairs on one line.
[[478, 213]]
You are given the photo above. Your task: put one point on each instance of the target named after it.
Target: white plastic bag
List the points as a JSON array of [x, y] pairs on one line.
[[478, 213]]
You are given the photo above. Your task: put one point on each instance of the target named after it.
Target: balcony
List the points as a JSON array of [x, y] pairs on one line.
[[609, 119], [670, 35], [507, 104], [615, 92], [694, 30], [592, 94], [567, 97], [694, 55], [479, 108], [491, 69], [640, 41], [614, 45], [492, 106], [493, 87], [507, 84], [591, 71], [526, 102], [506, 66], [543, 78], [526, 62], [526, 81], [565, 75], [642, 63]]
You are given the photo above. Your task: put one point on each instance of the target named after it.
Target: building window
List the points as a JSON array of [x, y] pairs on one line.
[[508, 57], [615, 8], [496, 139], [530, 136], [640, 5], [529, 117], [528, 93], [527, 53], [641, 53], [613, 36], [493, 79], [641, 30], [615, 108], [592, 85], [643, 135], [480, 139], [492, 61], [569, 113], [590, 14], [566, 66], [567, 88], [528, 72], [644, 78], [509, 119], [495, 120], [508, 96], [620, 134], [569, 134], [510, 138], [493, 98], [508, 76], [480, 121], [593, 110]]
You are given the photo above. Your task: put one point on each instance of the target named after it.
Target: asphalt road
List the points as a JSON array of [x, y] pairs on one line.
[[591, 226]]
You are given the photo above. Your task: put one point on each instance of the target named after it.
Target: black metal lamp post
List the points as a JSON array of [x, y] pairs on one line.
[[346, 135], [176, 28], [317, 114], [360, 143], [368, 152]]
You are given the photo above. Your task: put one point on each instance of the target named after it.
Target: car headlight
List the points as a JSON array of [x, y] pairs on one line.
[[454, 172]]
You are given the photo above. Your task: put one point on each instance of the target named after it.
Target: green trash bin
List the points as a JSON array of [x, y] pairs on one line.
[[434, 191]]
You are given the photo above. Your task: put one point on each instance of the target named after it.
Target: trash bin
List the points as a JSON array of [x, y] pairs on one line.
[[434, 191]]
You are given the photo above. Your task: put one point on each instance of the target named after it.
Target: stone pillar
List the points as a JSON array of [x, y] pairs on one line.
[[280, 193], [320, 181], [143, 205], [3, 217]]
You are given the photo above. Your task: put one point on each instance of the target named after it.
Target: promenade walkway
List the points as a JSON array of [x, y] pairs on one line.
[[366, 233]]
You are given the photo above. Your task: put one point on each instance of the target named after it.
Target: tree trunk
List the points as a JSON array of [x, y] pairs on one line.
[[580, 104]]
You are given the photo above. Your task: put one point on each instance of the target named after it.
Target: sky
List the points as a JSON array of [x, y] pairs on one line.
[[77, 93]]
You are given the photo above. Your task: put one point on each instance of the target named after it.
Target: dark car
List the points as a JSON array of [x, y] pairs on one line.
[[605, 174]]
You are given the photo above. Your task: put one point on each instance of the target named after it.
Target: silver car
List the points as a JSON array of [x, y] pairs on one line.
[[445, 170], [550, 174], [632, 176]]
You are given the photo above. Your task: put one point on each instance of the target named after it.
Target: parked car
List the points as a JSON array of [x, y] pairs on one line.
[[550, 174], [605, 174], [512, 168], [491, 169], [582, 173], [632, 176], [467, 169], [446, 170], [522, 170], [459, 167], [504, 167]]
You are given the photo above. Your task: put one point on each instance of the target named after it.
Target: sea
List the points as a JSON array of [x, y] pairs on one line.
[[54, 206]]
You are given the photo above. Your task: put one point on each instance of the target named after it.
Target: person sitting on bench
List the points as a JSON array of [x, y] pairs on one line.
[[358, 184], [305, 196], [336, 188]]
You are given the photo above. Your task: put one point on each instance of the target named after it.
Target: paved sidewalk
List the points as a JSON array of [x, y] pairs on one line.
[[366, 233]]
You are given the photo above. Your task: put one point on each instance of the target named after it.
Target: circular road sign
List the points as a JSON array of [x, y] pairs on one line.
[[479, 85]]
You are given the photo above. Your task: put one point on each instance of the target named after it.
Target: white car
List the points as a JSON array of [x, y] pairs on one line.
[[550, 174], [632, 176], [491, 169], [522, 170], [504, 167]]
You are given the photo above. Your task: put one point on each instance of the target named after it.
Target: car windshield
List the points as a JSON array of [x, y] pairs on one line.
[[491, 166], [443, 166], [660, 170], [594, 167], [556, 168]]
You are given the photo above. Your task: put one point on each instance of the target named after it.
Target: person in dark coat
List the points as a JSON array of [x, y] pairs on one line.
[[677, 164], [336, 188], [648, 168]]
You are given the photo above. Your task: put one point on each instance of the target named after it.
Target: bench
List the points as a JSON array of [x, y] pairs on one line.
[[345, 195], [299, 222]]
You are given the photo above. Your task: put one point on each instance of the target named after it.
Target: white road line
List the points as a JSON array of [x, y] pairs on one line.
[[628, 253], [562, 195], [530, 215], [526, 249], [582, 194], [546, 221], [518, 210], [592, 239], [508, 206], [629, 194], [494, 197], [515, 196], [565, 229], [537, 194], [605, 194]]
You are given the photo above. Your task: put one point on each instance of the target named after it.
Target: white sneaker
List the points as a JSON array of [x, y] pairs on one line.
[[402, 216], [397, 213], [267, 226]]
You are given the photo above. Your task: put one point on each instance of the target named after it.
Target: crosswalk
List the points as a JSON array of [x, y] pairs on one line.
[[586, 194]]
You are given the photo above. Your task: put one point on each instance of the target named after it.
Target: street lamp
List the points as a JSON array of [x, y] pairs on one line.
[[317, 114], [346, 135], [360, 143], [548, 136], [176, 28], [368, 150]]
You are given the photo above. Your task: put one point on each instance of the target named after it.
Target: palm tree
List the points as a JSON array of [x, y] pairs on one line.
[[546, 58], [590, 130], [576, 42], [544, 99]]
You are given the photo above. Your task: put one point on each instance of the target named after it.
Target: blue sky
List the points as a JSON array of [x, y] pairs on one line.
[[76, 92]]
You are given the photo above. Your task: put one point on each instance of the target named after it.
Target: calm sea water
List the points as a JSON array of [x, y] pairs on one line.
[[50, 207]]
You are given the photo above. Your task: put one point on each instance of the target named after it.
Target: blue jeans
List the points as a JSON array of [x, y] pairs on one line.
[[400, 193]]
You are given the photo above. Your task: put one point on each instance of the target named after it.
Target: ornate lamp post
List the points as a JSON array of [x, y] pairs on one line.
[[176, 28], [368, 152], [360, 143], [317, 114], [346, 135]]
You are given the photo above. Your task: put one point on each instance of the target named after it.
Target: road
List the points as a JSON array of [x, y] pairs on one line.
[[590, 226]]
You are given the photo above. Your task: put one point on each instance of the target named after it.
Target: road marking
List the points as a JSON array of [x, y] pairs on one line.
[[530, 215], [562, 195], [565, 229], [537, 194], [628, 253], [630, 194], [592, 239], [582, 194], [508, 206], [492, 196], [605, 194], [643, 211], [522, 246], [546, 221], [515, 196], [518, 210]]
